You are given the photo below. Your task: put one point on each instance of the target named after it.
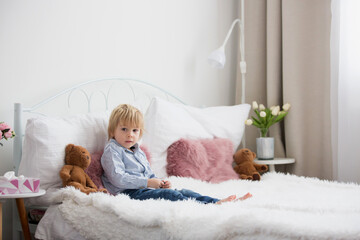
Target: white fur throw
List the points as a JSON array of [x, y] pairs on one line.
[[282, 207]]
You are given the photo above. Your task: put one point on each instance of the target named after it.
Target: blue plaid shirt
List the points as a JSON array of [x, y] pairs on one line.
[[124, 169]]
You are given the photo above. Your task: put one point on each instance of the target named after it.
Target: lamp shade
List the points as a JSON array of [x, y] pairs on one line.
[[217, 58]]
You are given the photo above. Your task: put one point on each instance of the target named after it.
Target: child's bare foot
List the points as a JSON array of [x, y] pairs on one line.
[[246, 196], [228, 199]]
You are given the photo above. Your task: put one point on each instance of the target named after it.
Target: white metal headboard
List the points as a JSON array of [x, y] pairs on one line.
[[100, 92]]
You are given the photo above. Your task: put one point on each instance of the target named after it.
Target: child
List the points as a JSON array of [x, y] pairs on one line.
[[126, 169]]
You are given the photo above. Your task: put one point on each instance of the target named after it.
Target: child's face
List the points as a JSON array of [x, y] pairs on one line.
[[126, 135]]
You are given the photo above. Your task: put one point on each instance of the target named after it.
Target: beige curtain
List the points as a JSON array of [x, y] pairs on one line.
[[287, 49]]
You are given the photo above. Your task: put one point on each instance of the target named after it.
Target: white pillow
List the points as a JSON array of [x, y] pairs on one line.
[[46, 138], [167, 122]]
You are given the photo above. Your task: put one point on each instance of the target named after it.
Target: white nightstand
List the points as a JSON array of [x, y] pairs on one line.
[[275, 161], [21, 210]]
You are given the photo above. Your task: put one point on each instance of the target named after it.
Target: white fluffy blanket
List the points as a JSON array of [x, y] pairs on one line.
[[282, 207]]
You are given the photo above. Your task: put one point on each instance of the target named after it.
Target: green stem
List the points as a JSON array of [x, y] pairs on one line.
[[263, 132]]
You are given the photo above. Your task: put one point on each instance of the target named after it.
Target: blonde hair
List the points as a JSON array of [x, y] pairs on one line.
[[127, 115]]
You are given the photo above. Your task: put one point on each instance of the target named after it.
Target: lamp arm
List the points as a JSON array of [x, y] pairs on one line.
[[230, 30], [242, 60], [242, 32], [241, 42]]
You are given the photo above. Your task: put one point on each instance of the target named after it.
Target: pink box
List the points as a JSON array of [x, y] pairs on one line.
[[19, 185]]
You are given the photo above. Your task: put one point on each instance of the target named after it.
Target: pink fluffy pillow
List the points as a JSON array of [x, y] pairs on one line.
[[147, 153], [95, 169], [205, 159]]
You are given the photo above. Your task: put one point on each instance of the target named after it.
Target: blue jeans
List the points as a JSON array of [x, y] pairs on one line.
[[169, 194]]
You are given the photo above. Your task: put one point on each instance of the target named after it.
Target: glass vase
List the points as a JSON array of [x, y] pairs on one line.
[[264, 145]]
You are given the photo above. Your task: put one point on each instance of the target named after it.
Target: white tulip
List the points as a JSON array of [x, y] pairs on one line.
[[255, 105], [272, 108], [262, 114], [286, 106], [248, 122], [261, 107], [275, 111]]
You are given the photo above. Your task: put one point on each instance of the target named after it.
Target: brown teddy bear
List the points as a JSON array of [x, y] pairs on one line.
[[245, 166], [77, 159]]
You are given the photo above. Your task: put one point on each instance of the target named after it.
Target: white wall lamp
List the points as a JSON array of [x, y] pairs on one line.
[[217, 58]]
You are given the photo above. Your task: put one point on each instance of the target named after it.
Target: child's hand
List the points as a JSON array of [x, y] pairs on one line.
[[154, 183], [166, 184]]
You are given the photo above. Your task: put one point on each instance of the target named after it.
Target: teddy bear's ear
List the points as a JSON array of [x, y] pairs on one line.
[[69, 147], [237, 154], [254, 154]]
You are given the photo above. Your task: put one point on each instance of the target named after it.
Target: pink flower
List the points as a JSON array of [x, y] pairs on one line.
[[4, 126], [5, 132], [8, 134]]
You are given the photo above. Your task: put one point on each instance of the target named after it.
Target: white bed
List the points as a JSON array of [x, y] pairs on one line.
[[282, 206]]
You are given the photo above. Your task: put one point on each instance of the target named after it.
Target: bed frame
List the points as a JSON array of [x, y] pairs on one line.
[[95, 95]]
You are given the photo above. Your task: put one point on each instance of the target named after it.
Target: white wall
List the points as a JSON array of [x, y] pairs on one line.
[[47, 46]]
